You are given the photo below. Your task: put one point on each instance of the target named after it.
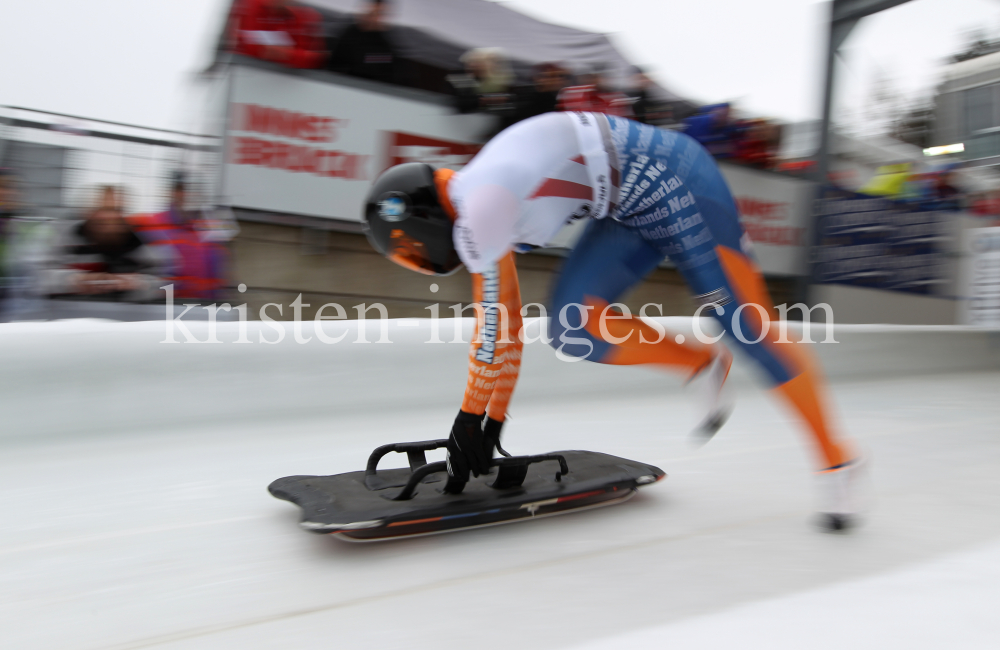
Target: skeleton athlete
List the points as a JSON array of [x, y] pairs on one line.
[[649, 194]]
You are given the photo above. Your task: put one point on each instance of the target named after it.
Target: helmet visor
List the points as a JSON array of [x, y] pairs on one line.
[[409, 253]]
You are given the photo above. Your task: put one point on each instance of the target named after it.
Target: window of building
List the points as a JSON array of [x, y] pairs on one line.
[[980, 108]]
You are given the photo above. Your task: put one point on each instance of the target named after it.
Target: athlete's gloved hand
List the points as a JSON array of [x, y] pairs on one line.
[[469, 449], [491, 432]]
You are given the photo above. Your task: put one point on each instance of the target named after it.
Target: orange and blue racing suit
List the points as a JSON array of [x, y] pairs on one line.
[[650, 194]]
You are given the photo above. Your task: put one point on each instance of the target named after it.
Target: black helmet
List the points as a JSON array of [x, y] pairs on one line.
[[405, 221]]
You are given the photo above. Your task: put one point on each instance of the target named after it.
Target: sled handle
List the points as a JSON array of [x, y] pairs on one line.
[[505, 478], [528, 460], [418, 475], [514, 469], [414, 454]]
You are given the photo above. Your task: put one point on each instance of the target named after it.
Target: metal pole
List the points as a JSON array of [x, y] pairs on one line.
[[839, 31], [844, 16]]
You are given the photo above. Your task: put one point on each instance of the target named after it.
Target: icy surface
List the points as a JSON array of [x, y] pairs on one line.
[[120, 536]]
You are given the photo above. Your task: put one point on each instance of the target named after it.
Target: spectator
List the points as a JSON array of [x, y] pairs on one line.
[[642, 106], [543, 96], [8, 213], [197, 259], [711, 127], [486, 86], [101, 257], [22, 239], [594, 94], [486, 83], [282, 31], [890, 181], [363, 49], [645, 107], [945, 194], [986, 204], [8, 193], [756, 143]]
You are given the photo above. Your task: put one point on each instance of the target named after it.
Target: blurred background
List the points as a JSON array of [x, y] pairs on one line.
[[224, 147], [232, 142]]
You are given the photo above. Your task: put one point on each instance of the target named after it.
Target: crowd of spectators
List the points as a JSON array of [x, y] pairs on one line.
[[287, 32], [105, 254], [488, 84], [292, 34]]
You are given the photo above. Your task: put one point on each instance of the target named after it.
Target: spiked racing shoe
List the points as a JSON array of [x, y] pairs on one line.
[[840, 494], [716, 396]]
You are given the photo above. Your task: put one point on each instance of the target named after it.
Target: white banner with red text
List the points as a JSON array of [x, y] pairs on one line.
[[300, 146], [775, 212]]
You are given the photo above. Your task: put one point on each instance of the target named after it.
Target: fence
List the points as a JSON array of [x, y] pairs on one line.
[[59, 158], [58, 161]]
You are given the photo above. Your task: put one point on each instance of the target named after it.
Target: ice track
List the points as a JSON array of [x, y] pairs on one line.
[[133, 482]]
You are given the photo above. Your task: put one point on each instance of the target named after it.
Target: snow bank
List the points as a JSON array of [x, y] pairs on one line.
[[95, 376]]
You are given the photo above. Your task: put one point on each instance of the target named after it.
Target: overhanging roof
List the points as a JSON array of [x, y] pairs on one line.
[[437, 32]]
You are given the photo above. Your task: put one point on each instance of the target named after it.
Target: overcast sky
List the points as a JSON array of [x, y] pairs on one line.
[[766, 55], [134, 60]]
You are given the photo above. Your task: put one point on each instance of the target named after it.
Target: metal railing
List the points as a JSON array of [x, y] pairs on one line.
[[58, 161], [59, 158]]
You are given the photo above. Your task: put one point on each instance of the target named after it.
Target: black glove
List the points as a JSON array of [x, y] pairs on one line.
[[491, 432], [469, 447]]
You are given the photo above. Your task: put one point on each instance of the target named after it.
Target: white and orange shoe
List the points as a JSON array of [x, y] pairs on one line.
[[716, 396], [842, 492]]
